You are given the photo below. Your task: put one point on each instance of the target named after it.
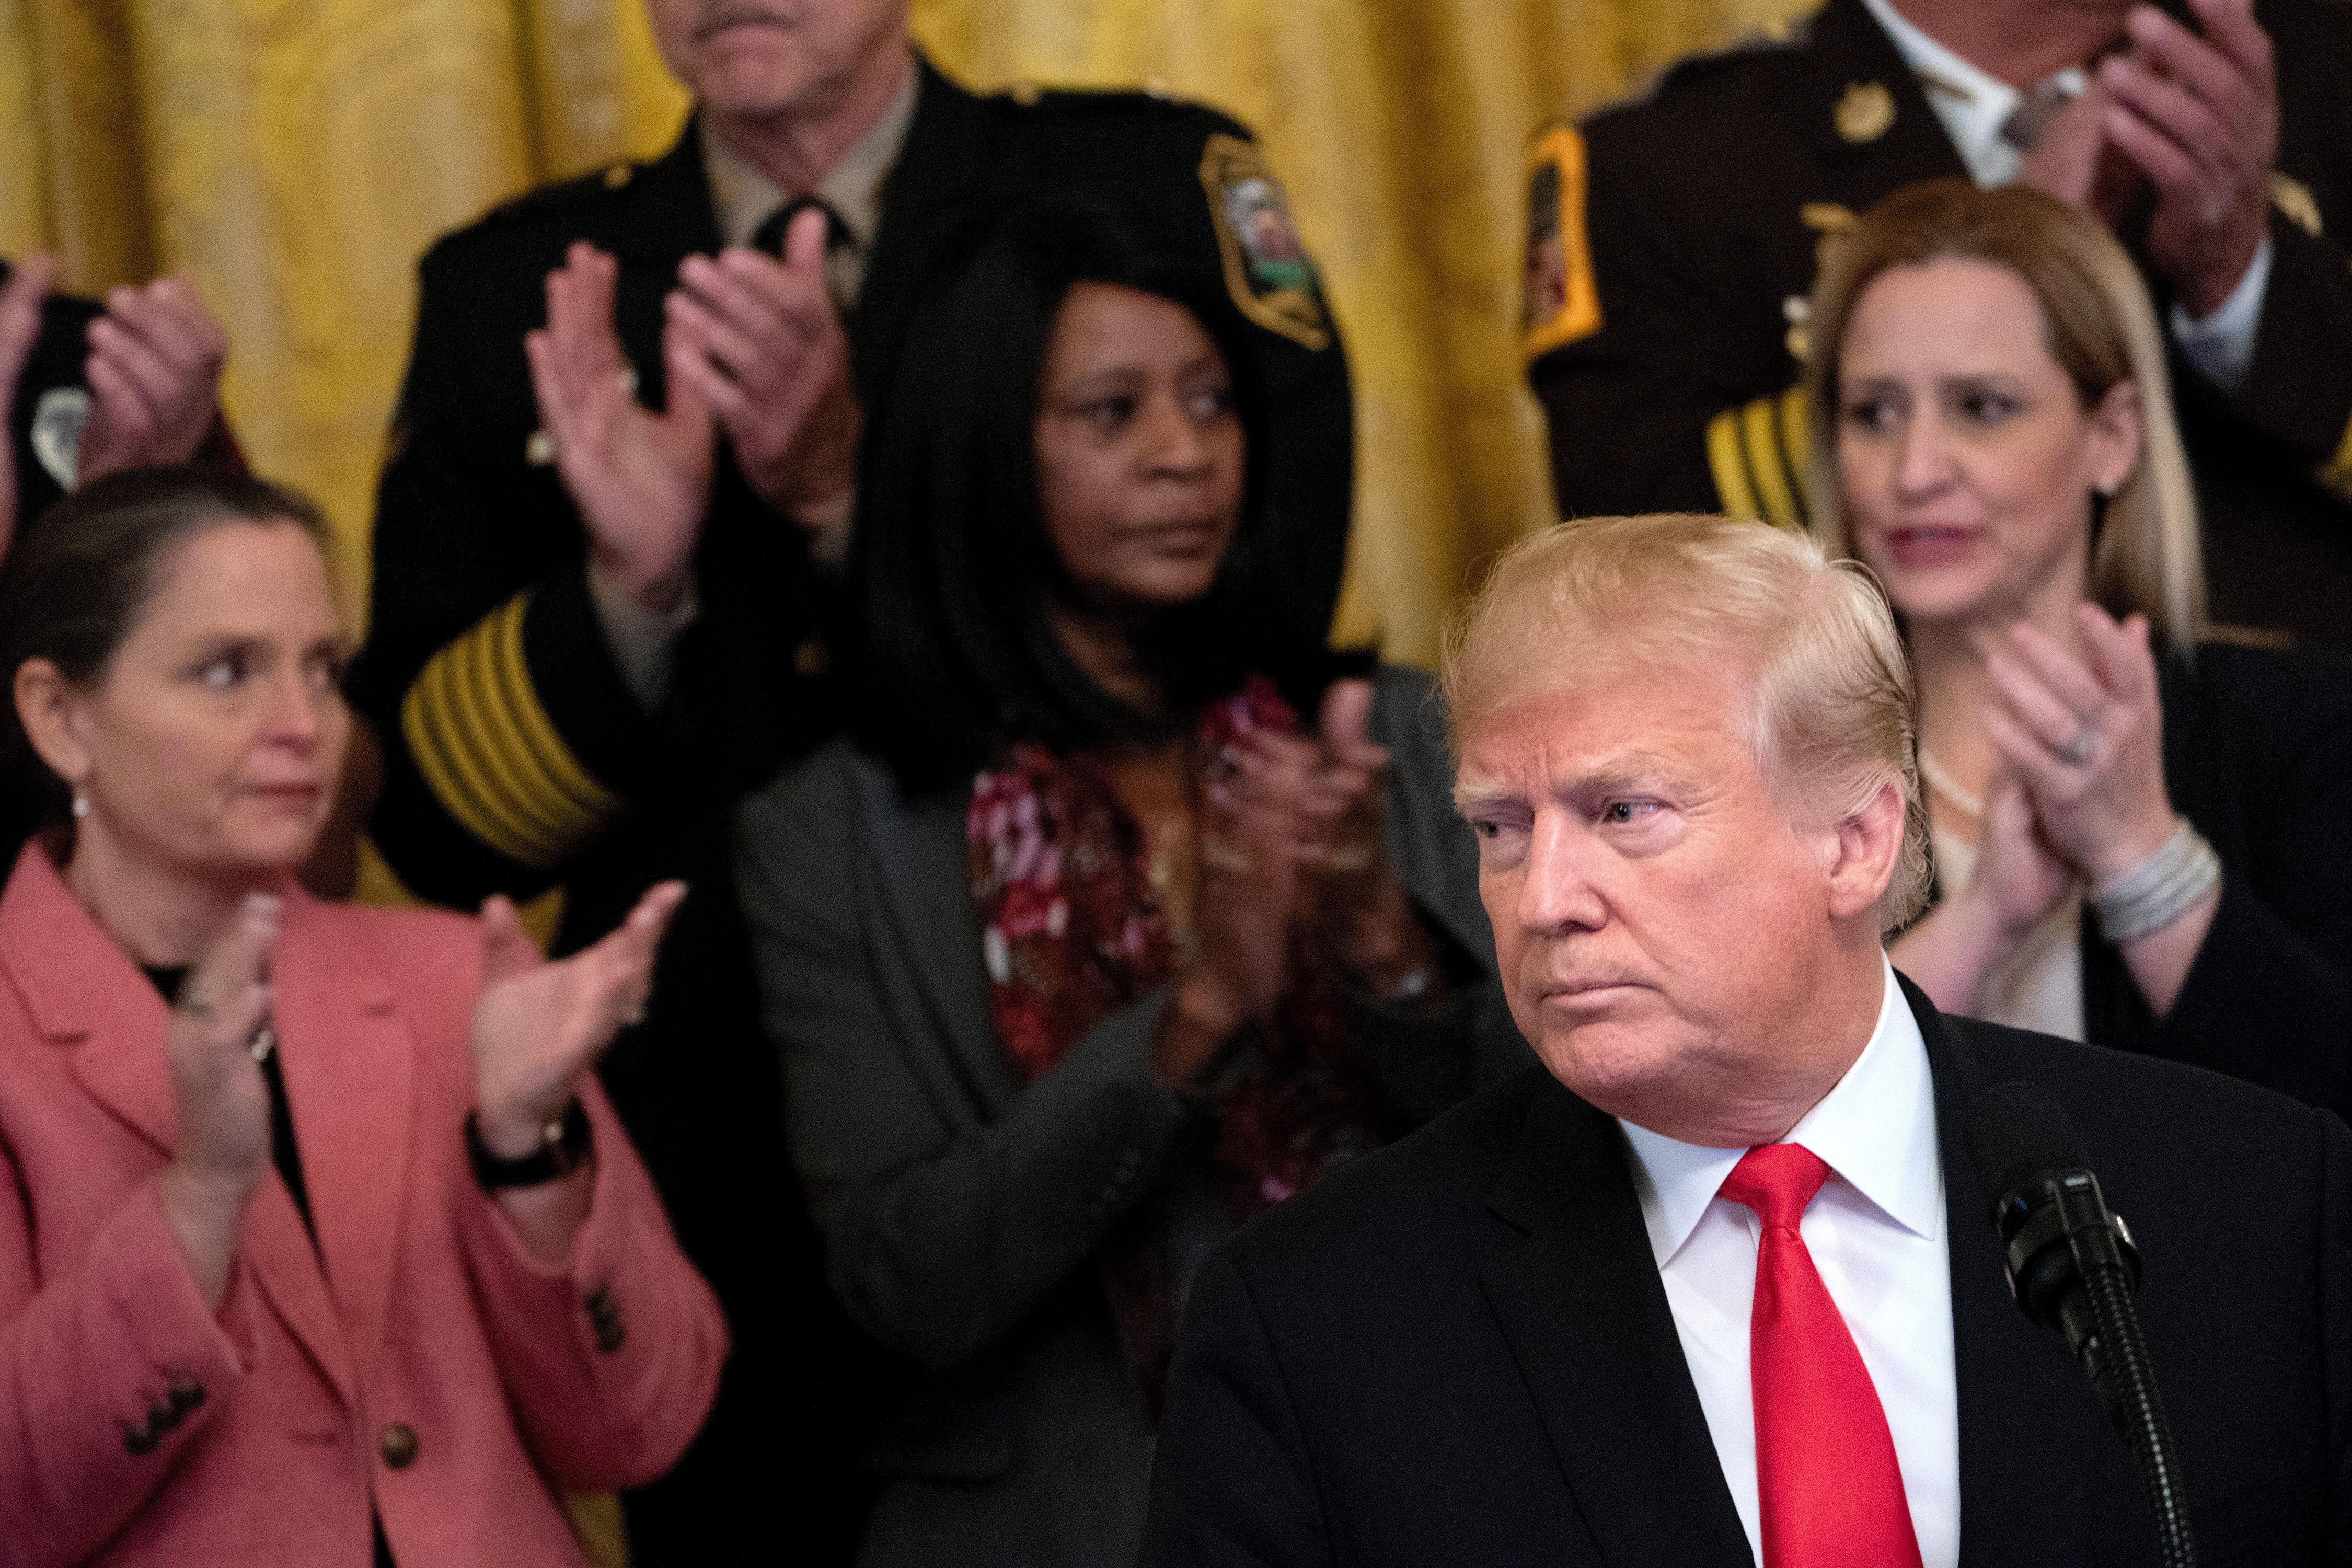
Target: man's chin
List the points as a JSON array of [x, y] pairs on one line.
[[1609, 1061], [754, 74]]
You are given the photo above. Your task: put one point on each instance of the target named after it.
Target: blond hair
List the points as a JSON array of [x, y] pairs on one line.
[[1830, 716], [2097, 324]]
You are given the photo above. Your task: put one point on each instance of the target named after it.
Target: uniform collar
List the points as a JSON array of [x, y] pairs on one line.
[[745, 198], [1970, 103], [1876, 1129]]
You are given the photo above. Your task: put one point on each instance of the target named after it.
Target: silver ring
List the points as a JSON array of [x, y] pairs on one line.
[[633, 1016], [195, 1005], [2080, 748], [1219, 856]]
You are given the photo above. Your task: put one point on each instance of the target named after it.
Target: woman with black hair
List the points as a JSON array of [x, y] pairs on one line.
[[1128, 911]]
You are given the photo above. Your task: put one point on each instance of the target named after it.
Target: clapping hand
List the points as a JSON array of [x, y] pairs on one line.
[[765, 350], [541, 1026], [20, 328], [2085, 738], [223, 1151], [2200, 117], [2021, 876], [153, 371], [641, 479]]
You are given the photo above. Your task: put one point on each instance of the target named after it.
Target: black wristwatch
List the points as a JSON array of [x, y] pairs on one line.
[[563, 1150]]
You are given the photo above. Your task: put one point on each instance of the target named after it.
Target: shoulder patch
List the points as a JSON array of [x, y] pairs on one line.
[[1266, 270], [1558, 301]]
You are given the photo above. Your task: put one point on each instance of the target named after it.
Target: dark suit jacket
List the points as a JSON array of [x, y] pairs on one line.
[[1459, 1351], [516, 757], [1709, 195], [2258, 754], [966, 1213]]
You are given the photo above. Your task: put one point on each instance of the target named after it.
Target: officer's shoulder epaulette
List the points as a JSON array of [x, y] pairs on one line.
[[559, 201], [1771, 49], [1151, 101]]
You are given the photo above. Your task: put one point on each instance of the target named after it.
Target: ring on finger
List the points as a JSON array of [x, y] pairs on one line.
[[1219, 856], [2080, 747], [195, 1005]]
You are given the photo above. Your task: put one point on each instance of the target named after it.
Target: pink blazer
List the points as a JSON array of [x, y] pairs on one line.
[[417, 1361]]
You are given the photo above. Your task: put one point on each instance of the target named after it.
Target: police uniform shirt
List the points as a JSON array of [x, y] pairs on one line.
[[1673, 243], [851, 191], [742, 199], [1977, 109]]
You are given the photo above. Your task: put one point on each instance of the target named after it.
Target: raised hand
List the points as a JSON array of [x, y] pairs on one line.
[[154, 373], [540, 1026], [1247, 905], [20, 326], [1364, 918], [2085, 737], [641, 479], [222, 1152], [2074, 161], [2020, 877], [767, 353], [2201, 117]]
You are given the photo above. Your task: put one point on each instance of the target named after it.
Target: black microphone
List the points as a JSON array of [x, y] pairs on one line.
[[2072, 1267]]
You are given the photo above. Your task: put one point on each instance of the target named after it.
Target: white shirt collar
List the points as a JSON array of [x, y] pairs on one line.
[[1971, 103], [1876, 1131]]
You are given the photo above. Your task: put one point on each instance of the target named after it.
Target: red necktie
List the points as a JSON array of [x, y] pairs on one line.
[[1831, 1490]]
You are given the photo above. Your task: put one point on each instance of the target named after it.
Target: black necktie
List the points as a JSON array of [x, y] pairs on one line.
[[769, 235]]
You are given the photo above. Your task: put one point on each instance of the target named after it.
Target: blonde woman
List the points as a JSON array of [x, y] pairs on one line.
[[2139, 833]]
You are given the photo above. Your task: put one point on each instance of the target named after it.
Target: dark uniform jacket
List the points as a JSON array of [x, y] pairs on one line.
[[1665, 351], [517, 758], [1458, 1350]]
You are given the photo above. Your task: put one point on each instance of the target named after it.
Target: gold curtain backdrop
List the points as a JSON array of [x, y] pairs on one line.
[[296, 157]]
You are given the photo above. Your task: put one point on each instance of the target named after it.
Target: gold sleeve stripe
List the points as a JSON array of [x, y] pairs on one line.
[[1759, 425], [528, 723], [2336, 472], [1729, 467], [489, 754], [1796, 446]]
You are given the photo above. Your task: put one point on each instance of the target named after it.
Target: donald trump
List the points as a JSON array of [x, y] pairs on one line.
[[1713, 1283]]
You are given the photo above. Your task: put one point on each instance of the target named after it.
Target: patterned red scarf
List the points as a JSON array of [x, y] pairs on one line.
[[1073, 931]]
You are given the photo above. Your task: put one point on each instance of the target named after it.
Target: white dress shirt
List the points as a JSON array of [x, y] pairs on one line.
[[1972, 104], [1876, 1234]]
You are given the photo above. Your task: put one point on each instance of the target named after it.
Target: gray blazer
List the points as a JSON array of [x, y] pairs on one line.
[[963, 1210]]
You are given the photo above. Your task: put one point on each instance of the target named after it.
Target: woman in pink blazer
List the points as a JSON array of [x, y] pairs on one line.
[[318, 1244]]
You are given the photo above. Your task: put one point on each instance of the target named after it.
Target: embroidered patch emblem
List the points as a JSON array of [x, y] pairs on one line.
[[1866, 112], [1557, 300], [57, 422], [1267, 269]]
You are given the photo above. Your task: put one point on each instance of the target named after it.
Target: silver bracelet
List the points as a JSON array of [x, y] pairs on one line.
[[2159, 890]]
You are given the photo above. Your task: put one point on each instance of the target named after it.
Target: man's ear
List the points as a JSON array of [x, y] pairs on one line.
[[48, 707], [1869, 847]]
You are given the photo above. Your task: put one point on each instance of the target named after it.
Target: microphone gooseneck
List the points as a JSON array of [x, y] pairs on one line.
[[2072, 1267]]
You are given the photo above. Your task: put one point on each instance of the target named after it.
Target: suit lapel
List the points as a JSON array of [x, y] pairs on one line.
[[349, 1069], [83, 991], [2030, 1431], [919, 858], [1581, 1304]]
